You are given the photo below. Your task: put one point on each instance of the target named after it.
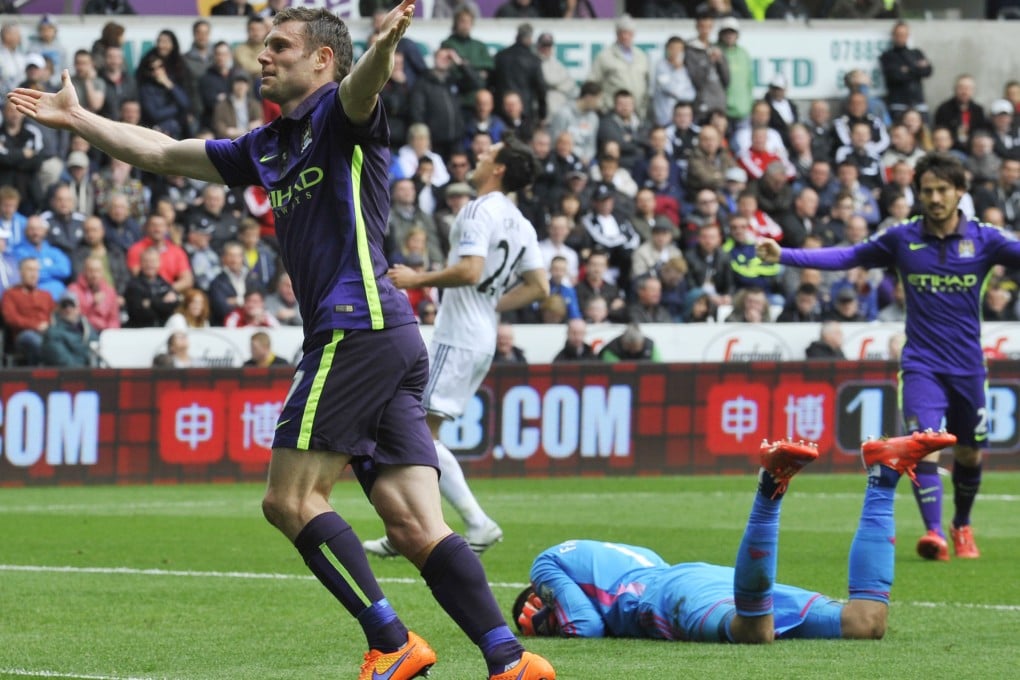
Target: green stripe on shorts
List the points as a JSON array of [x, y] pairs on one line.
[[318, 382]]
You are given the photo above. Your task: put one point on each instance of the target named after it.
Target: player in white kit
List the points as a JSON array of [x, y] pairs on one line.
[[494, 266]]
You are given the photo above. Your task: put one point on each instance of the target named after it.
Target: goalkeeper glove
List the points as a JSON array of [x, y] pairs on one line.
[[537, 619]]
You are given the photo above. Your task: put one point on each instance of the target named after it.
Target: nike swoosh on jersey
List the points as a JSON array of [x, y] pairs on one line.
[[268, 157], [917, 246], [283, 422], [392, 669]]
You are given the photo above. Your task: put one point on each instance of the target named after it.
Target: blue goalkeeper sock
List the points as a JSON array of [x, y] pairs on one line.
[[755, 571], [873, 551]]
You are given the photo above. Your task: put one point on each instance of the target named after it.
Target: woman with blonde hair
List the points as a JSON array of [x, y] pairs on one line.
[[193, 312]]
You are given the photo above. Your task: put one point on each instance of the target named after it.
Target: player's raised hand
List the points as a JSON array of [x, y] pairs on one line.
[[52, 109], [403, 276], [395, 24], [768, 250]]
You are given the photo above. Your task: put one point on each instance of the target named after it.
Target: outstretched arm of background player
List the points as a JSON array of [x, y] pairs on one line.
[[768, 251], [359, 91], [465, 272], [534, 287], [141, 147], [870, 253]]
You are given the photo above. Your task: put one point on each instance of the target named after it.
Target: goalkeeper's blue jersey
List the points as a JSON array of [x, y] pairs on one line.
[[601, 589]]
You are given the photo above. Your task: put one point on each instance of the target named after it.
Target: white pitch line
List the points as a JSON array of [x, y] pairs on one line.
[[269, 576], [25, 673], [251, 575]]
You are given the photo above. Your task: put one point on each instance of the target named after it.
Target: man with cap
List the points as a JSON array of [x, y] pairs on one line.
[[614, 235], [455, 196], [36, 74], [205, 262], [66, 342], [80, 183], [65, 221], [845, 306], [783, 112], [657, 250], [1003, 128], [560, 86], [623, 66], [903, 69]]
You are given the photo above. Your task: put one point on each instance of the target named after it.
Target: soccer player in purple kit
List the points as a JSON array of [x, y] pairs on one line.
[[944, 261], [356, 396]]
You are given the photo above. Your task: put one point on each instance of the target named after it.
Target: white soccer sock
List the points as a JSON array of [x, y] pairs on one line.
[[455, 490]]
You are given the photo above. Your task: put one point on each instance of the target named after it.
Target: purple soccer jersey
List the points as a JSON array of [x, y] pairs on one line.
[[326, 180], [944, 281]]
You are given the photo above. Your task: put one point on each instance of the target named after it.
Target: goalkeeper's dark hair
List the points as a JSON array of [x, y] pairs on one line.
[[521, 165], [944, 166], [522, 599]]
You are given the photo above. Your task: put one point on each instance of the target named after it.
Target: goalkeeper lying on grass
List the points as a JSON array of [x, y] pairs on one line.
[[599, 589]]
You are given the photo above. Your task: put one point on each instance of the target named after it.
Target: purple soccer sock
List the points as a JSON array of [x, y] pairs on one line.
[[928, 494], [457, 579], [328, 545], [966, 482]]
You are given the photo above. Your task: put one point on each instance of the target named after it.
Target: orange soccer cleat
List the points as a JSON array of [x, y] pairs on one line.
[[903, 453], [933, 546], [784, 458], [963, 543], [530, 667], [412, 660]]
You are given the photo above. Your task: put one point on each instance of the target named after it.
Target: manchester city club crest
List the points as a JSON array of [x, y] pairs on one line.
[[966, 248]]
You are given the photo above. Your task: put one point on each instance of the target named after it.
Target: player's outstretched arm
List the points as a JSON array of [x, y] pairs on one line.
[[768, 250], [534, 287], [360, 89], [141, 147]]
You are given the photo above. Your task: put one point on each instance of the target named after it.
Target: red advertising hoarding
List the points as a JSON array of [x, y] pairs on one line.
[[216, 425]]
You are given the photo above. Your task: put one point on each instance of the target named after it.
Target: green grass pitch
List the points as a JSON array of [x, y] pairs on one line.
[[190, 583]]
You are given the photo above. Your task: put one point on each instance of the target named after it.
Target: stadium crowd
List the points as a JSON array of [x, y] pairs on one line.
[[658, 174]]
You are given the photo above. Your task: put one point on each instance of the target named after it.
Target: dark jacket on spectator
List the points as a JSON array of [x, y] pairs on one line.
[[568, 353], [221, 289], [67, 344], [820, 350], [163, 109], [949, 115], [143, 300], [435, 103], [903, 73], [518, 69]]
